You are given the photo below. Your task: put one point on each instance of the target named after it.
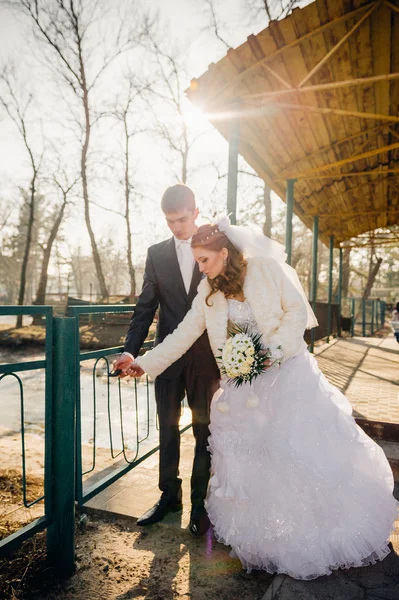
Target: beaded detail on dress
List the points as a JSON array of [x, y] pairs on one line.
[[240, 314]]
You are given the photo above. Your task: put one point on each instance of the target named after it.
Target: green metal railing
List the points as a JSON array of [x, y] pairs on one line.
[[87, 489], [14, 370], [366, 316], [64, 482]]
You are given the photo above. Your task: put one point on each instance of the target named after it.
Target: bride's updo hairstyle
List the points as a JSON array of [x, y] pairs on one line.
[[231, 282]]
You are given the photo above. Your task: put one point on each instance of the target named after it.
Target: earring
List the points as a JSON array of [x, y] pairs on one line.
[[224, 262]]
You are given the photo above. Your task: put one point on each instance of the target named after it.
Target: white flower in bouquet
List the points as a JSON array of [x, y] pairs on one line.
[[243, 356]]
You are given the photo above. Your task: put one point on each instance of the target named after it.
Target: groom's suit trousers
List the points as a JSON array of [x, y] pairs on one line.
[[169, 395], [195, 373]]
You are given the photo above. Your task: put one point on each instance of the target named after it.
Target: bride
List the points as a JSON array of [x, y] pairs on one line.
[[296, 486]]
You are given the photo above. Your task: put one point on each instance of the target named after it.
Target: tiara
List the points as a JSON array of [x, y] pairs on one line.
[[214, 231]]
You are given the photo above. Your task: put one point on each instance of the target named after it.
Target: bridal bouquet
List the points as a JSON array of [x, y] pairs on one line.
[[243, 356]]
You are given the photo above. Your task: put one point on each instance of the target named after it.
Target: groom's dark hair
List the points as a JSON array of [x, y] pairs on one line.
[[177, 197]]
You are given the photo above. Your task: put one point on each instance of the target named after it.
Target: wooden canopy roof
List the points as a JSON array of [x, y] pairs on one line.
[[317, 96]]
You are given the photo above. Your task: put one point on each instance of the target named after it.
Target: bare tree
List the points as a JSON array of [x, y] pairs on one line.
[[130, 126], [214, 22], [56, 219], [17, 109], [66, 28], [255, 10], [5, 214], [271, 9], [170, 80], [374, 266]]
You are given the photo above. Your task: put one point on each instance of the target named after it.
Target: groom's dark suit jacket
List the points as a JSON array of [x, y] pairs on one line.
[[163, 286]]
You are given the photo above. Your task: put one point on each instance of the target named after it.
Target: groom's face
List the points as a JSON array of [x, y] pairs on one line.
[[182, 222]]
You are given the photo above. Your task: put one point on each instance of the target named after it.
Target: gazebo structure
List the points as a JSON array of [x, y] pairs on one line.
[[311, 103]]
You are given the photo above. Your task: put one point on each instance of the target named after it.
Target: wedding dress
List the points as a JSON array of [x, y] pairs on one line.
[[296, 487]]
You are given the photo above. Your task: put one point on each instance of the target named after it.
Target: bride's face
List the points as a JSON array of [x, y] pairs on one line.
[[210, 262]]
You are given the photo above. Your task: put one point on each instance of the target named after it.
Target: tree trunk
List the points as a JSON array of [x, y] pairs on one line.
[[184, 165], [132, 273], [85, 148], [25, 260], [42, 287], [267, 201], [373, 272]]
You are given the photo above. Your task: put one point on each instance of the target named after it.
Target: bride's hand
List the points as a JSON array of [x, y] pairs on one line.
[[268, 362], [134, 370]]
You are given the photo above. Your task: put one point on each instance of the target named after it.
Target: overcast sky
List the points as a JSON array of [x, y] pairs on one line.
[[185, 23]]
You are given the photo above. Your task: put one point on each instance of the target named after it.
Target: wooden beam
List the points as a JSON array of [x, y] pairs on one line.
[[329, 111], [393, 132], [277, 76], [340, 175], [339, 44], [333, 146], [386, 245], [391, 6], [344, 195], [354, 214], [345, 161], [279, 51], [321, 87], [364, 145]]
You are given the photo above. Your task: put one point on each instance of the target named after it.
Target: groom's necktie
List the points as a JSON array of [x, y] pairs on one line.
[[186, 262]]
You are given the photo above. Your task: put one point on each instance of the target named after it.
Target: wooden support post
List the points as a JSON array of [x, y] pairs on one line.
[[288, 222]]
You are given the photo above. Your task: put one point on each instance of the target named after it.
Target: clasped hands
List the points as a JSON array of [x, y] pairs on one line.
[[128, 366]]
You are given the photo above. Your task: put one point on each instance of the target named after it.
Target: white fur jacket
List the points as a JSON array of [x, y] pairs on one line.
[[277, 305]]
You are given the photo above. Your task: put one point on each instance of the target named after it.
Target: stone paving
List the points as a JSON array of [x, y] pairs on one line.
[[367, 371]]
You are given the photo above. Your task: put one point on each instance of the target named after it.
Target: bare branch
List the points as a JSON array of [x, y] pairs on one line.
[[214, 23]]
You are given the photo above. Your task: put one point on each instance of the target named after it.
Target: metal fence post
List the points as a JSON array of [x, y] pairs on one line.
[[340, 290], [372, 316], [330, 286], [61, 531], [232, 176], [314, 273], [363, 317], [353, 318], [288, 222]]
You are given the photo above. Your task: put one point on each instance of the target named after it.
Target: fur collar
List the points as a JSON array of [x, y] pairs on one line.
[[262, 297]]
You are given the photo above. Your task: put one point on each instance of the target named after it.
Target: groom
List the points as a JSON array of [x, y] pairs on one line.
[[171, 279]]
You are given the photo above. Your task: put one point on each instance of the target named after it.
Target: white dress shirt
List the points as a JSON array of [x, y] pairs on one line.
[[186, 261]]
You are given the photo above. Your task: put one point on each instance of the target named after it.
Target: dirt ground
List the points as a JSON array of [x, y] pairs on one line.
[[116, 560], [13, 514]]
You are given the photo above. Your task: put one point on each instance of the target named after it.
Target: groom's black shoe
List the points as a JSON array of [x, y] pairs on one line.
[[164, 506], [199, 520]]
